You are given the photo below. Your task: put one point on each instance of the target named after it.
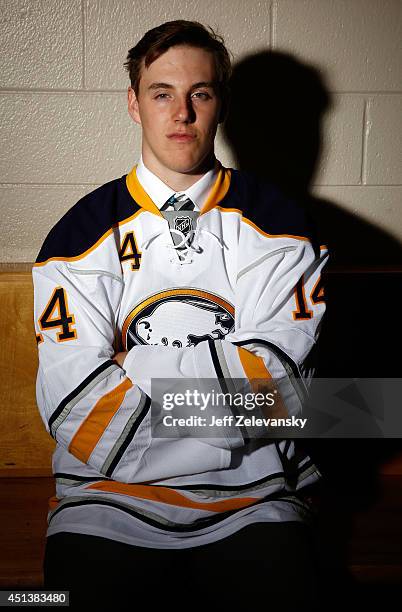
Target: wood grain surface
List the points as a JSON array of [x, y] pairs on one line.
[[25, 445]]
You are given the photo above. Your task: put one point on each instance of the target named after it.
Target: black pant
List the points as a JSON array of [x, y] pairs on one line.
[[262, 563]]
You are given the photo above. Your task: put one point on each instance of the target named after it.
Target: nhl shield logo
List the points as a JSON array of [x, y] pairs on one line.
[[183, 224]]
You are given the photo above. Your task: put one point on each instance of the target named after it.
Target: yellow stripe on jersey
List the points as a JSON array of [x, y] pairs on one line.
[[218, 191], [92, 429], [259, 230], [253, 365], [261, 381], [169, 496], [53, 502], [93, 247], [139, 194]]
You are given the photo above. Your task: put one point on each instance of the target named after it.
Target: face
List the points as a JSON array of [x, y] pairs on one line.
[[178, 109]]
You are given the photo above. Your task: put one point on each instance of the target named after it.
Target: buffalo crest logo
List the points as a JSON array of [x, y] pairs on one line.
[[180, 318]]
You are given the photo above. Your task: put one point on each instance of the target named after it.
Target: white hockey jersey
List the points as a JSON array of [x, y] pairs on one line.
[[242, 300]]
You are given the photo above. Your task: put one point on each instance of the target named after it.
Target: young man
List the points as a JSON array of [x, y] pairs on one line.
[[155, 280]]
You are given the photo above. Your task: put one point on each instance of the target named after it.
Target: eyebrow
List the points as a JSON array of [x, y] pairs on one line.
[[169, 86]]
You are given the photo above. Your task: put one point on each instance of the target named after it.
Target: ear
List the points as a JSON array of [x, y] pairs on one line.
[[133, 109]]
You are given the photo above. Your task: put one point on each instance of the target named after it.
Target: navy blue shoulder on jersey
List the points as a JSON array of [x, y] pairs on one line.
[[265, 205], [88, 220]]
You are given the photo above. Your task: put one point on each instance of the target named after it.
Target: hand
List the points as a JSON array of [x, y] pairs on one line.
[[119, 358]]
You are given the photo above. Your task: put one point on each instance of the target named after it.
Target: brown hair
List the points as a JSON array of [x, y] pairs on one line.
[[192, 33]]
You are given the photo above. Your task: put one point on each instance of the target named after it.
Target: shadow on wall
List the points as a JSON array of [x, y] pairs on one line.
[[273, 128]]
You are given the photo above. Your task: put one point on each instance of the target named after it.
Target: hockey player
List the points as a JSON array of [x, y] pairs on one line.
[[180, 271]]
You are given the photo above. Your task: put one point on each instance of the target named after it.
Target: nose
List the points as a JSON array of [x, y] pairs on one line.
[[184, 111]]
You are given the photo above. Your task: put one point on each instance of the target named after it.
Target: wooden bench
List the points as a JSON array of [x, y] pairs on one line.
[[371, 536], [26, 481]]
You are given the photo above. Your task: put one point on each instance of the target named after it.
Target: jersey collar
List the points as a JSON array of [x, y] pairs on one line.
[[217, 191]]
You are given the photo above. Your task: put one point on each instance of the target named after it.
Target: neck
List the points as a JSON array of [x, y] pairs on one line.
[[178, 181]]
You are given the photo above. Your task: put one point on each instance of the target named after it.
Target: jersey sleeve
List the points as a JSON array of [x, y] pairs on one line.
[[86, 401], [278, 309]]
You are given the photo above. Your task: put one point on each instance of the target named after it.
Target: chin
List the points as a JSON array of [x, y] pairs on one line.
[[184, 163]]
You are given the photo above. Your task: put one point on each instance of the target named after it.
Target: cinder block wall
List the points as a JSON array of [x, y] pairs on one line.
[[65, 128]]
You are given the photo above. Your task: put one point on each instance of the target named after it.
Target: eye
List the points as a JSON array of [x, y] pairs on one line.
[[202, 94], [160, 95]]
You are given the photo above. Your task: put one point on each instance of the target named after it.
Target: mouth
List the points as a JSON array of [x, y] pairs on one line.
[[181, 137]]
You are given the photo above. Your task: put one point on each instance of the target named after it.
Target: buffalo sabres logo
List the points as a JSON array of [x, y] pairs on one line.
[[180, 318], [183, 224]]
